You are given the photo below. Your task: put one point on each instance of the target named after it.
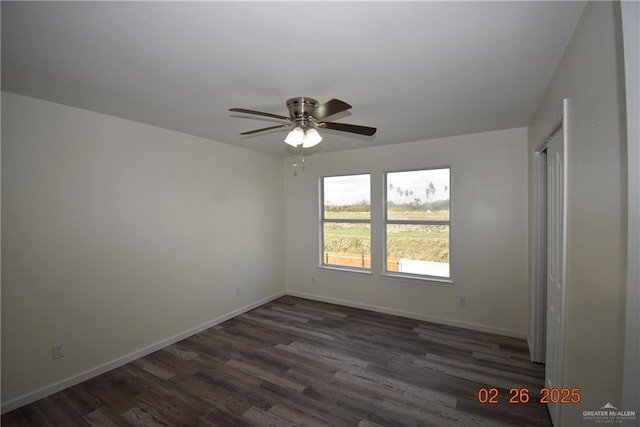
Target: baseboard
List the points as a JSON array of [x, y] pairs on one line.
[[530, 348], [101, 369], [417, 316]]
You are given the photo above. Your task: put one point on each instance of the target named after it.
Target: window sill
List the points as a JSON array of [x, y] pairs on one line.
[[339, 269], [428, 280]]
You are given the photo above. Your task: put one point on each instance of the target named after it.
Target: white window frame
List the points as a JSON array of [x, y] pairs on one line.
[[440, 280], [324, 221]]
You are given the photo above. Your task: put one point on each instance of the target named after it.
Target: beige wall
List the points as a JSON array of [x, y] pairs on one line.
[[590, 76], [489, 231], [631, 36], [118, 235]]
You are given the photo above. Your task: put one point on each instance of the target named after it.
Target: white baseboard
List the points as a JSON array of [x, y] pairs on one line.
[[530, 348], [98, 370], [434, 319], [101, 369]]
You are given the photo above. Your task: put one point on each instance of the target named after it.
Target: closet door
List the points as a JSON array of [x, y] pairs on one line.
[[555, 267]]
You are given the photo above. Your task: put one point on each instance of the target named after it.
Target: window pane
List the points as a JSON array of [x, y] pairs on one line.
[[420, 195], [418, 249], [347, 244], [347, 197]]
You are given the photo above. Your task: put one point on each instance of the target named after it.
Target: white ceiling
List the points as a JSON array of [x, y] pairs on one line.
[[414, 70]]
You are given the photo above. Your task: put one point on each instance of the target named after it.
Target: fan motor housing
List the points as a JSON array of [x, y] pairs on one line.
[[301, 107]]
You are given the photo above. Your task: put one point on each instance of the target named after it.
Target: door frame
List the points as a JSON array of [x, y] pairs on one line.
[[539, 244]]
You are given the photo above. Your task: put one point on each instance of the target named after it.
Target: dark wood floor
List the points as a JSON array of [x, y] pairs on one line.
[[295, 362]]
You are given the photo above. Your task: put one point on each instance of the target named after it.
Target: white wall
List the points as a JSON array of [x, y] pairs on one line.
[[489, 230], [590, 74], [117, 235], [631, 35]]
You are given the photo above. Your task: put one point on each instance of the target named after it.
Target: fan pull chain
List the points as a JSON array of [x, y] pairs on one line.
[[295, 164]]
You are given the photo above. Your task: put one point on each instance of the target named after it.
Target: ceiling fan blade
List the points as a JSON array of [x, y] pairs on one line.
[[329, 108], [345, 127], [258, 113], [251, 132]]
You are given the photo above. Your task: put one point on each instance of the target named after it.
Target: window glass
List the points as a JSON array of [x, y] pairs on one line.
[[347, 244], [418, 249], [417, 234], [422, 194], [347, 197], [346, 221]]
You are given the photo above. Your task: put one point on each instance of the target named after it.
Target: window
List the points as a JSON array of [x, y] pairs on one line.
[[346, 221], [418, 223]]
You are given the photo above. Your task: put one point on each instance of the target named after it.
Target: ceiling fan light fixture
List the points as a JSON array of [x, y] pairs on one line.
[[298, 137], [311, 138], [295, 137]]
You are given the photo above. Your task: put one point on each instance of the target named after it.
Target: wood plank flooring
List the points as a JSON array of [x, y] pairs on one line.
[[296, 362]]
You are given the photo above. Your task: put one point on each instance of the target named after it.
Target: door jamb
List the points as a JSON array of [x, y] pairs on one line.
[[539, 244]]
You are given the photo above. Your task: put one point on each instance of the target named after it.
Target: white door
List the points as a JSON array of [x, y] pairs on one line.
[[555, 267]]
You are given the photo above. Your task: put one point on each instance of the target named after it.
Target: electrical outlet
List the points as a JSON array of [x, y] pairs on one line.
[[238, 292], [462, 301], [58, 351], [313, 280]]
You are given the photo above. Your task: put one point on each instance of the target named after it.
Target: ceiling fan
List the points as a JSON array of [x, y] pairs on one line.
[[306, 115]]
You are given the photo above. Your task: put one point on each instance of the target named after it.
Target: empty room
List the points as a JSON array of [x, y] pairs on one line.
[[320, 213]]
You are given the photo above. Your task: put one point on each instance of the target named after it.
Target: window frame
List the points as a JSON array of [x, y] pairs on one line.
[[324, 220], [440, 280]]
